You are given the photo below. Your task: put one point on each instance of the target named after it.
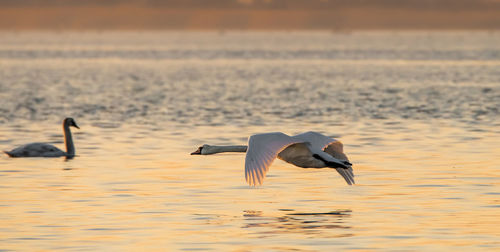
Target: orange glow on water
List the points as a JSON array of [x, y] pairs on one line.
[[408, 194]]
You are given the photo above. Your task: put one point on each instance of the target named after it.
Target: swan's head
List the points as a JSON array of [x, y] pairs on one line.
[[70, 122], [201, 150]]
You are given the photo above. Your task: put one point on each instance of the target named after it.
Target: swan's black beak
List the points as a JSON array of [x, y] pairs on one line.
[[74, 125], [197, 152]]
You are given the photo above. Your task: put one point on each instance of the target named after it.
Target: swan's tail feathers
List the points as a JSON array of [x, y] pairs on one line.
[[347, 175]]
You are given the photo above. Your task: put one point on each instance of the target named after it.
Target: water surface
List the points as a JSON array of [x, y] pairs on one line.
[[418, 113]]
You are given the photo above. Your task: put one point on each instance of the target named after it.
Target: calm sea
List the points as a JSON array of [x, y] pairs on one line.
[[418, 113]]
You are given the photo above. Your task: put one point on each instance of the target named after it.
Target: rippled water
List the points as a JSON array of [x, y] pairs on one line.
[[418, 113]]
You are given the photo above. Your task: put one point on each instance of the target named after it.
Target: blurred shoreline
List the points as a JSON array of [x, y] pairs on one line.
[[193, 15]]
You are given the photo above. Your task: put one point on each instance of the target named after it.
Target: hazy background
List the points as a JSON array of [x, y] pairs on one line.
[[250, 14]]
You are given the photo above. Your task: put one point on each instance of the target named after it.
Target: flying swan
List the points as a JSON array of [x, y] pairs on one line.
[[47, 150], [306, 150]]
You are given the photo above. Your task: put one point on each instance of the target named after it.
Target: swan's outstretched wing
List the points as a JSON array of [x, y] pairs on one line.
[[333, 147], [317, 140], [336, 150], [346, 174], [262, 150]]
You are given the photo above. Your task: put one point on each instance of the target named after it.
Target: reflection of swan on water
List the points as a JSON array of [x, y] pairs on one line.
[[306, 150], [47, 150], [291, 221]]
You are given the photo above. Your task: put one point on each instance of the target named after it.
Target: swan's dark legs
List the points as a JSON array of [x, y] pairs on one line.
[[331, 164]]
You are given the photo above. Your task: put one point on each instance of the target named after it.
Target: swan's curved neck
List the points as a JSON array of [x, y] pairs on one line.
[[68, 140], [213, 149]]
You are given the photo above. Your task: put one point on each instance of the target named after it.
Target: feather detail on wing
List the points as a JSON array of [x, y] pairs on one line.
[[351, 172], [262, 150], [317, 140], [346, 174], [334, 147], [336, 150]]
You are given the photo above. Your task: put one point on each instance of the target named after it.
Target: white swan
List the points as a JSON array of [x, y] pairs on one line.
[[306, 150], [47, 150]]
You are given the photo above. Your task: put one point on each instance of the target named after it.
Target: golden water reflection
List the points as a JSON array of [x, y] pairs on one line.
[[139, 189]]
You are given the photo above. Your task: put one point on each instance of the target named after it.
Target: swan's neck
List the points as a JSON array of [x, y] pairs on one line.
[[68, 140], [213, 149]]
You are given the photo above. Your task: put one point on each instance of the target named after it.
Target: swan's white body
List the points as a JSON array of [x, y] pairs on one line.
[[47, 150], [306, 150]]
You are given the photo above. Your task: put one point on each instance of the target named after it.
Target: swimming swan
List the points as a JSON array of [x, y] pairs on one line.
[[306, 150], [47, 150]]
